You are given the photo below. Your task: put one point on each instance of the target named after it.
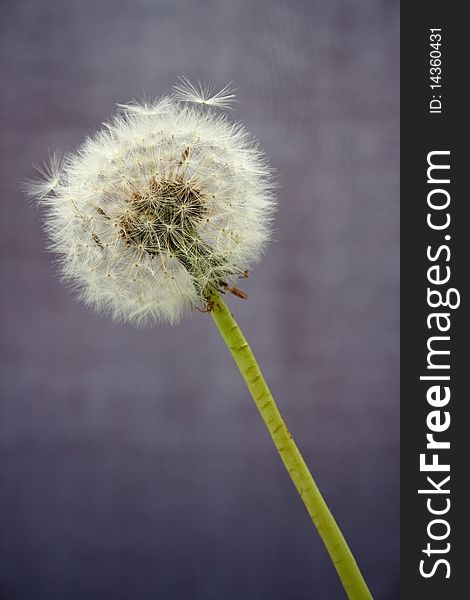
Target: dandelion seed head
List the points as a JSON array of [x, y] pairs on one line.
[[166, 202]]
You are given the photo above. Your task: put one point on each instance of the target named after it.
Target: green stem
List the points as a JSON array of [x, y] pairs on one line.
[[343, 560]]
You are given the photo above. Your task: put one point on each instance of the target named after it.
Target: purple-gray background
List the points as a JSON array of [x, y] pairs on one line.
[[133, 463]]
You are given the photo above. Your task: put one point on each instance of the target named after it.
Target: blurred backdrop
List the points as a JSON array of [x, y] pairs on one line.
[[133, 463]]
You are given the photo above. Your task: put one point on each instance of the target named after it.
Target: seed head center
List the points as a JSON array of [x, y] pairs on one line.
[[164, 217]]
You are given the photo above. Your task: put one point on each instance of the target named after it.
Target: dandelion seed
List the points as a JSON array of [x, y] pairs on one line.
[[49, 178], [204, 94]]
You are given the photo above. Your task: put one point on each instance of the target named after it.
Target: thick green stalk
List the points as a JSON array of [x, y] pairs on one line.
[[343, 560]]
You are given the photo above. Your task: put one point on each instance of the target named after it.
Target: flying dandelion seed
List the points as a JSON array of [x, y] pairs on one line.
[[168, 201], [204, 94]]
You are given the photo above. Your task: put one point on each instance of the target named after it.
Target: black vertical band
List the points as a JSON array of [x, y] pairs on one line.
[[435, 257]]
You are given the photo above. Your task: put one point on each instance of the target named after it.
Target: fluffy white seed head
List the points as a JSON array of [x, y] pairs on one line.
[[167, 202]]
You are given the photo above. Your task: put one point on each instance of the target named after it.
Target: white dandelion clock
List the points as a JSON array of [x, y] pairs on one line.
[[167, 202], [156, 214]]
